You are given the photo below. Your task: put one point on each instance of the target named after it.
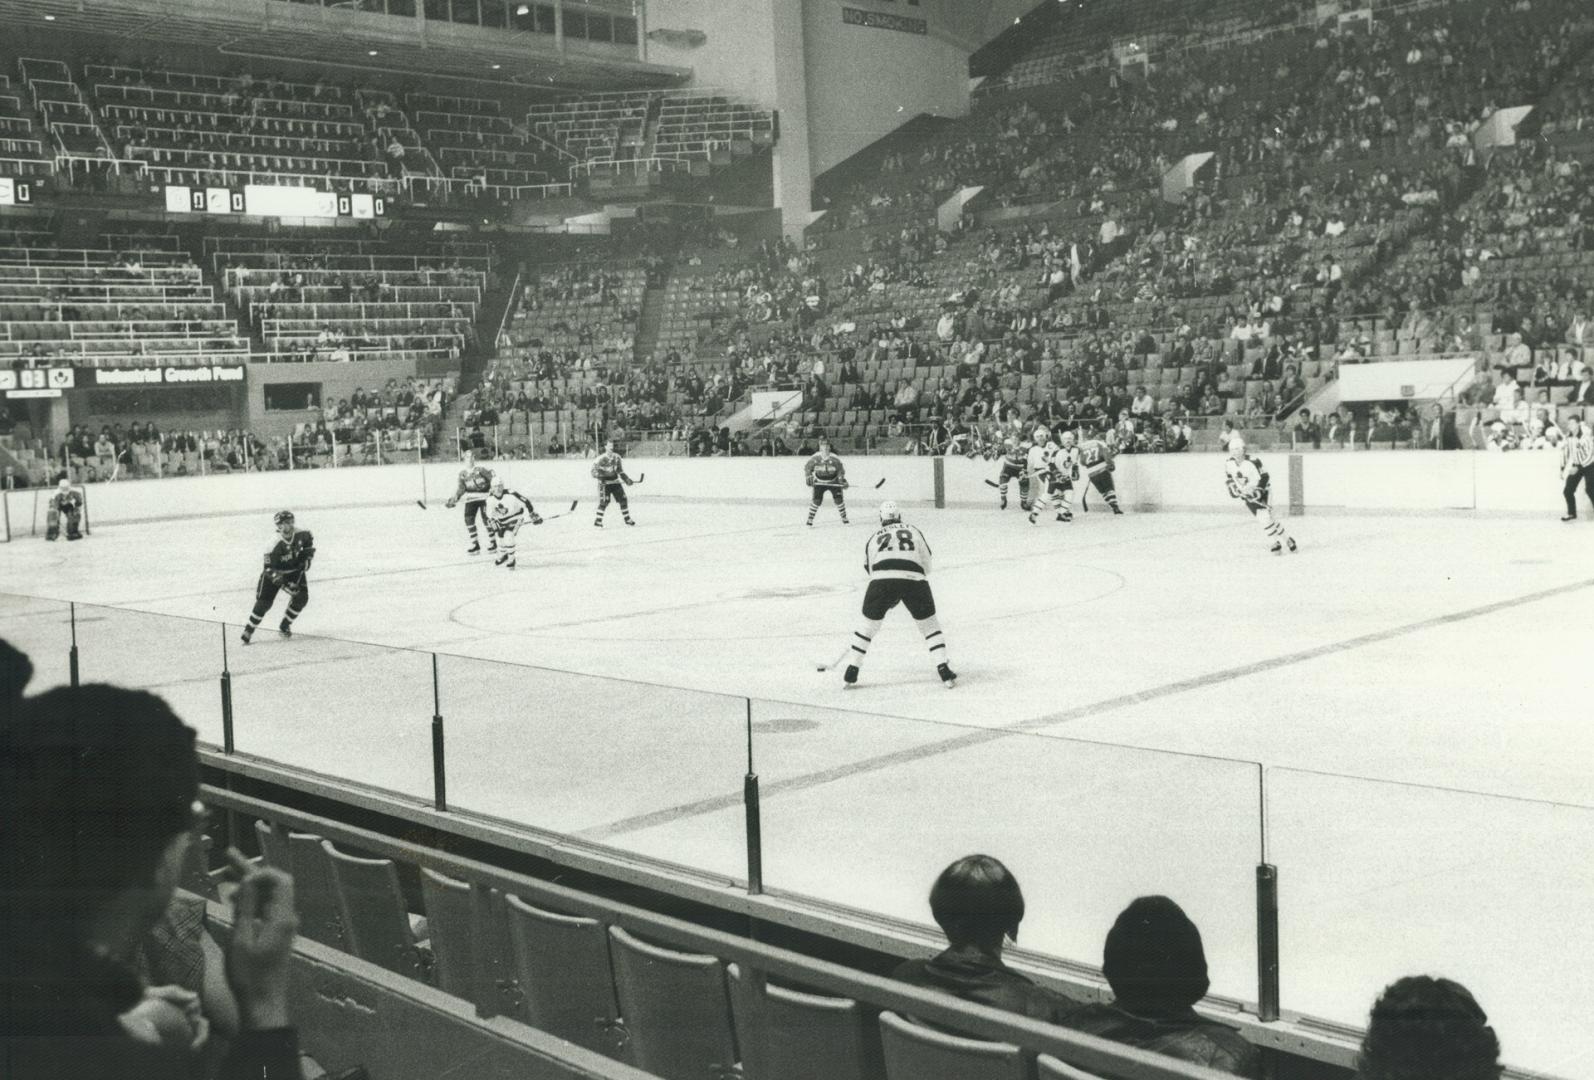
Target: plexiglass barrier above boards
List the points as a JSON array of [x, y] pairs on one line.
[[1312, 890]]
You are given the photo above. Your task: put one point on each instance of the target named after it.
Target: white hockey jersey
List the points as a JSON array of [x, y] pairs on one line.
[[897, 551], [508, 512]]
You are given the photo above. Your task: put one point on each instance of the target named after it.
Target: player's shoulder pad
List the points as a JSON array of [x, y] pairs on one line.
[[308, 541]]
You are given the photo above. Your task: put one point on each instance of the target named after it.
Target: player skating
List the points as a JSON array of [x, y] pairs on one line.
[[897, 559], [1248, 482], [609, 472], [64, 512], [1055, 469], [506, 512], [1015, 466], [286, 565], [475, 481], [1095, 457], [825, 472]]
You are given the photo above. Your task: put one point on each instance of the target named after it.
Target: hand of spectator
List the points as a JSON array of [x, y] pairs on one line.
[[264, 926], [168, 1016]]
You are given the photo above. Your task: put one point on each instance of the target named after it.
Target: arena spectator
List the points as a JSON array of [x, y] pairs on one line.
[[1157, 968], [978, 904], [1427, 1028], [98, 789]]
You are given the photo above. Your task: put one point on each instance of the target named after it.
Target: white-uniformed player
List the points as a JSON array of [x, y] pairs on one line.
[[897, 559], [1248, 482], [506, 512], [1059, 469]]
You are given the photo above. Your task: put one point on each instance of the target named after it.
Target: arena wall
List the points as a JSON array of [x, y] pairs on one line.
[[1327, 482], [337, 380]]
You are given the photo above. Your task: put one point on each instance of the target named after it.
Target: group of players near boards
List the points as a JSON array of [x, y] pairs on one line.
[[896, 557]]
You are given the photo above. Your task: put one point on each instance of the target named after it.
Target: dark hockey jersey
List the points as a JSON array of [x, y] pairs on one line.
[[289, 559]]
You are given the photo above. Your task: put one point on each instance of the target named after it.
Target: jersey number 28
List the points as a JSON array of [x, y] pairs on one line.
[[903, 537]]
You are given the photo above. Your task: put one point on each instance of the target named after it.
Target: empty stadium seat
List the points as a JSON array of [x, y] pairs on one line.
[[914, 1052], [786, 1034], [1050, 1068], [374, 917], [561, 963], [675, 1008], [450, 917]]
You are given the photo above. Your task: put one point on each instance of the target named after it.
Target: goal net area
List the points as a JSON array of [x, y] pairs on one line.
[[27, 513]]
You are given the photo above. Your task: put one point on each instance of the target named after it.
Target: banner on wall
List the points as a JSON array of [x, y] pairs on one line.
[[884, 20], [36, 382], [164, 376]]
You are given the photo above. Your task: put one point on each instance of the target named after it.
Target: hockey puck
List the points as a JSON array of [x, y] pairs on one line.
[[821, 667]]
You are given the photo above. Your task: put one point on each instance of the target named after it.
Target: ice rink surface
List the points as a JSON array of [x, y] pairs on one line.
[[1397, 717]]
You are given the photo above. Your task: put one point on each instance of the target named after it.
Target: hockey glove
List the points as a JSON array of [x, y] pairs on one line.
[[450, 504], [535, 520]]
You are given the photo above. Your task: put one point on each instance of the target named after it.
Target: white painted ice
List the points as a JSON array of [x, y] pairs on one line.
[[1401, 651]]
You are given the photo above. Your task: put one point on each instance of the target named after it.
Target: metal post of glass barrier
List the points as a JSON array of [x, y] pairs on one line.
[[71, 656], [1267, 919], [755, 838], [439, 782], [226, 696]]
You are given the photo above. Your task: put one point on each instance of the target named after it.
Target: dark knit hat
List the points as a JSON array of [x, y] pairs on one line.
[[1153, 955]]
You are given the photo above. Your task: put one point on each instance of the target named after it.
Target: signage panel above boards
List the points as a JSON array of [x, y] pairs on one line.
[[52, 382], [264, 200], [15, 192]]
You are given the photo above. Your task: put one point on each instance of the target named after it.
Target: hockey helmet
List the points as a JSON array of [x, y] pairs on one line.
[[65, 484], [1236, 447], [889, 512], [497, 487], [282, 517], [467, 458], [1068, 439], [1041, 434]]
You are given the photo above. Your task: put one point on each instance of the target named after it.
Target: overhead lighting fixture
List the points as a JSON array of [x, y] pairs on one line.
[[49, 18], [497, 66], [523, 9], [370, 52]]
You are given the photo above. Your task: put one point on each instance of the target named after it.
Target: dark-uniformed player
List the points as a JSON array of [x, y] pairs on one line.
[[1015, 466], [1095, 456], [825, 472], [287, 563], [897, 560], [475, 481], [609, 472]]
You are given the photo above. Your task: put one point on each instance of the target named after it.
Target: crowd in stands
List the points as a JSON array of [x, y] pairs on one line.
[[107, 970]]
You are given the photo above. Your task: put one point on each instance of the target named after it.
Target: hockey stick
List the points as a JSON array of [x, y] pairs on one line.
[[563, 513], [836, 662], [880, 483], [992, 483]]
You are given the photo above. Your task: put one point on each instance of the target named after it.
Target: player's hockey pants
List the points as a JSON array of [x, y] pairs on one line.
[[1059, 493], [1264, 516], [1102, 482], [70, 521], [880, 597], [1584, 476], [476, 508], [1011, 472], [836, 497], [615, 491], [266, 595]]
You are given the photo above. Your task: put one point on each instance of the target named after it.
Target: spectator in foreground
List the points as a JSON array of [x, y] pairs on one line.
[[1424, 1028], [98, 789], [978, 905], [1157, 968]]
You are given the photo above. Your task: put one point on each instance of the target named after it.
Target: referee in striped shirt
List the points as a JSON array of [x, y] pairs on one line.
[[1577, 464]]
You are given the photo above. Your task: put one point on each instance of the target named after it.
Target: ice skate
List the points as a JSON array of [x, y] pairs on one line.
[[949, 678]]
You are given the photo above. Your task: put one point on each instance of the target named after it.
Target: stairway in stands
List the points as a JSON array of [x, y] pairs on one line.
[[649, 319]]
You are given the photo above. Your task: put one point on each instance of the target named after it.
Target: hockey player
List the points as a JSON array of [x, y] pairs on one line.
[[1015, 462], [609, 472], [1248, 482], [897, 559], [1055, 470], [506, 512], [825, 472], [286, 565], [65, 510], [474, 483], [1095, 457]]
